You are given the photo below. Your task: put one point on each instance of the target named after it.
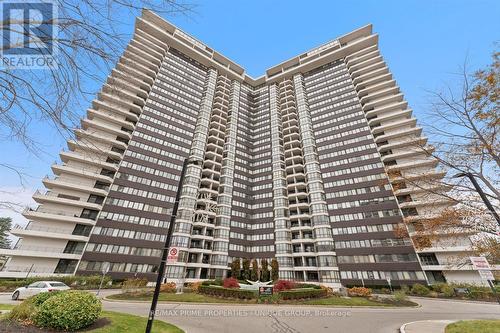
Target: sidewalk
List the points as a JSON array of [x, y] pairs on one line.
[[425, 326]]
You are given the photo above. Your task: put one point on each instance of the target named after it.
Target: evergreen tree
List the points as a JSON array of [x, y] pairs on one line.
[[5, 226], [235, 268], [254, 274], [264, 275], [275, 269], [246, 269]]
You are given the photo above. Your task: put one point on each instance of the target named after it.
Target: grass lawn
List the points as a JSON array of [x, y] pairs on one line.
[[121, 322], [185, 297], [200, 298], [6, 306], [474, 326]]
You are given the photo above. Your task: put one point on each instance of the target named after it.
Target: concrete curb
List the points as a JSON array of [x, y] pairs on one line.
[[402, 329]]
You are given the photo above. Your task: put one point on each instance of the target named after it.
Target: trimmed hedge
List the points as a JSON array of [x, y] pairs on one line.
[[216, 282], [303, 293], [75, 282], [68, 310], [307, 285], [226, 292]]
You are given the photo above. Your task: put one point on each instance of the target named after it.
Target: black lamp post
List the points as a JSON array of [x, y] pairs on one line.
[[161, 269]]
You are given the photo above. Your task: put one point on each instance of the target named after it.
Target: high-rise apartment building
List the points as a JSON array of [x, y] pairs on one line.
[[307, 164]]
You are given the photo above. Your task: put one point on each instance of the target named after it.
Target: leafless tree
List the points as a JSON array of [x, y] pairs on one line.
[[463, 123], [90, 39]]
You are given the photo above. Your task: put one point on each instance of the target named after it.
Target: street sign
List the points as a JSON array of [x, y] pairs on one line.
[[486, 275], [480, 263], [265, 291], [173, 255]]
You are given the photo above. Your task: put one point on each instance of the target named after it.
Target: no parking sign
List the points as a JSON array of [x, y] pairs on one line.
[[173, 255]]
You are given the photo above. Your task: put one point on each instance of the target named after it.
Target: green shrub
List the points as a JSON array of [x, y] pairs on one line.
[[400, 296], [447, 290], [405, 289], [24, 311], [216, 282], [134, 283], [419, 290], [42, 297], [302, 293], [226, 292], [75, 282], [69, 310], [307, 285]]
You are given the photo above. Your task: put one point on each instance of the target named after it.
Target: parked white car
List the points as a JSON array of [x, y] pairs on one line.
[[38, 287]]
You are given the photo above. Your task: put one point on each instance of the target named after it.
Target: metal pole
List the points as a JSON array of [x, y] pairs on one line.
[[481, 194], [29, 271], [100, 284], [161, 269], [492, 286]]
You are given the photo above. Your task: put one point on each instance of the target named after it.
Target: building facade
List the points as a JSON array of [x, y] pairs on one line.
[[307, 164]]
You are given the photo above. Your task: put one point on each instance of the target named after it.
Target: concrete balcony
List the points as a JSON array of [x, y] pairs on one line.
[[71, 185], [379, 79], [376, 95], [426, 203], [411, 152], [66, 156], [40, 252], [413, 142], [99, 105], [395, 124], [112, 98], [412, 165], [92, 149], [365, 63], [362, 55], [55, 216], [371, 89], [373, 104], [390, 116], [395, 106], [50, 198], [431, 174], [415, 131], [109, 117], [130, 70], [81, 134], [414, 190], [444, 249], [361, 71], [87, 123], [46, 232], [370, 75], [90, 173], [132, 80]]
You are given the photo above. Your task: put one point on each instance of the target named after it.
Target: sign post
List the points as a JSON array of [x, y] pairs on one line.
[[482, 266], [104, 270]]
